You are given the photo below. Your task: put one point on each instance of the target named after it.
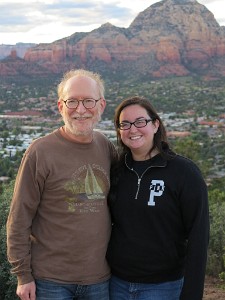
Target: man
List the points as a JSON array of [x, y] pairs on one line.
[[58, 226]]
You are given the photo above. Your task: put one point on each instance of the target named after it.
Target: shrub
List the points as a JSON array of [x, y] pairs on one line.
[[7, 280], [216, 253]]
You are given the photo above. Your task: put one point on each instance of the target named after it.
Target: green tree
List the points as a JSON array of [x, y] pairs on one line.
[[216, 253], [188, 147], [7, 280], [194, 150]]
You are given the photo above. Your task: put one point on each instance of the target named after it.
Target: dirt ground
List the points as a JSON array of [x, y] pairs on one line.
[[212, 290]]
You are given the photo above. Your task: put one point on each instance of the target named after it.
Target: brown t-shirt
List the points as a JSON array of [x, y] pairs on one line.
[[59, 224]]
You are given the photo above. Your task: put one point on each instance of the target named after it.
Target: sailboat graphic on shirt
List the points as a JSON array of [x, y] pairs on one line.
[[92, 188]]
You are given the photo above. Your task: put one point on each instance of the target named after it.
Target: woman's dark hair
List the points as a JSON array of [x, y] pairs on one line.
[[160, 137]]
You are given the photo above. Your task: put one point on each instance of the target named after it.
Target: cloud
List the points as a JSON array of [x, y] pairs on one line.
[[205, 2], [19, 17], [48, 20], [217, 8], [23, 17], [88, 12]]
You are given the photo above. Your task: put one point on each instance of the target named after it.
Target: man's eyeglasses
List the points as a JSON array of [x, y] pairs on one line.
[[138, 124], [87, 103]]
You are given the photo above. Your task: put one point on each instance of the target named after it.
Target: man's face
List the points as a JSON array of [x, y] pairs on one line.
[[81, 121]]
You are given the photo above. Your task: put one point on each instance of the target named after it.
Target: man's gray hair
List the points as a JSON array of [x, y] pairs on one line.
[[83, 73]]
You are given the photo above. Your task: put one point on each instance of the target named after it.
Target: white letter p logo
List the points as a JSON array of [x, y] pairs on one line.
[[156, 189]]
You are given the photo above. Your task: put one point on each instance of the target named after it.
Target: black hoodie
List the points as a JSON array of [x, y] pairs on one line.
[[160, 226]]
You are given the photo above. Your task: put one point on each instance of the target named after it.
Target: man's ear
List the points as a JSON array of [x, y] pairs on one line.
[[60, 105], [103, 105]]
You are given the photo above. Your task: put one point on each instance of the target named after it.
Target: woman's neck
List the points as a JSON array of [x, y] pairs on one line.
[[139, 156]]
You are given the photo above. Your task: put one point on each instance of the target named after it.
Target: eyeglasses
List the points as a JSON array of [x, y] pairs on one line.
[[138, 124], [87, 103]]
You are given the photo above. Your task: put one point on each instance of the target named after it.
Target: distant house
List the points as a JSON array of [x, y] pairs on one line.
[[210, 123], [26, 113], [178, 133]]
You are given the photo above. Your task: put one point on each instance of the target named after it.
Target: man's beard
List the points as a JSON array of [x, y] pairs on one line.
[[70, 124]]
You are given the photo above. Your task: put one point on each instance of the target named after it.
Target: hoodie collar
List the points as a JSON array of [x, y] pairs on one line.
[[156, 161]]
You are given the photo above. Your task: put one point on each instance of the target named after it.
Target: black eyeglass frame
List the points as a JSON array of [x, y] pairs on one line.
[[83, 102], [133, 123]]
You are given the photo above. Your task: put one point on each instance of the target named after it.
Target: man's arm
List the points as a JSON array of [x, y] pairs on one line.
[[26, 199], [26, 291]]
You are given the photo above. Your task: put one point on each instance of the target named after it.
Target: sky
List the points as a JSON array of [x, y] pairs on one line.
[[45, 21]]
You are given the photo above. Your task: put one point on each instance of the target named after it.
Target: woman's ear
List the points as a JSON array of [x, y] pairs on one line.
[[156, 125]]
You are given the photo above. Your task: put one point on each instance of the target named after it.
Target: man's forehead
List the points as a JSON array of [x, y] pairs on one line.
[[80, 81], [81, 86]]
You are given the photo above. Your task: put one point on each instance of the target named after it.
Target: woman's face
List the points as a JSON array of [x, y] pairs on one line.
[[139, 140]]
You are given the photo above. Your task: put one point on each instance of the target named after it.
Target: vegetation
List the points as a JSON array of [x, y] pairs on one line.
[[216, 255], [7, 281]]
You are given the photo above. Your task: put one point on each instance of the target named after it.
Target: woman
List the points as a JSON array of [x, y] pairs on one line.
[[159, 207]]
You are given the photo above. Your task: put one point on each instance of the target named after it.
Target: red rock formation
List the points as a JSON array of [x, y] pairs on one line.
[[13, 54], [171, 37]]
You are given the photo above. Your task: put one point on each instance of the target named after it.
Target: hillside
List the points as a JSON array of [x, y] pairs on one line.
[[169, 38]]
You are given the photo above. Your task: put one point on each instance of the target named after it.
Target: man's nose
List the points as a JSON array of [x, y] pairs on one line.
[[80, 107]]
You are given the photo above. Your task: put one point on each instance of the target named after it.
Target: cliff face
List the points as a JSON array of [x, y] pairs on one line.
[[171, 37], [20, 49]]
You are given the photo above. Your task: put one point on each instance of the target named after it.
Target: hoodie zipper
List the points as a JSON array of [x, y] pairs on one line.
[[138, 187], [140, 177], [139, 181]]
